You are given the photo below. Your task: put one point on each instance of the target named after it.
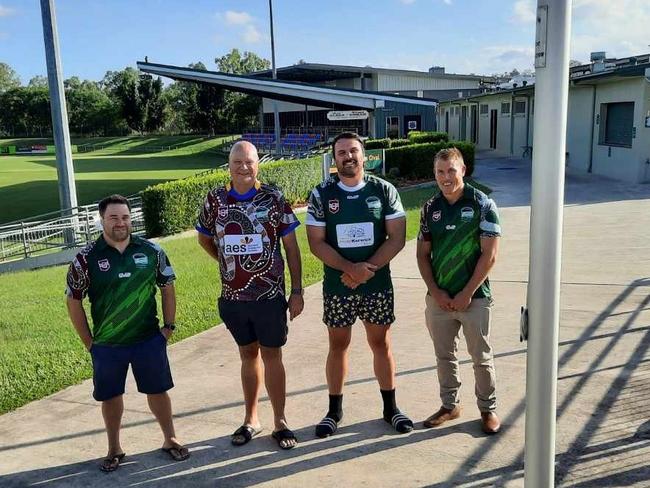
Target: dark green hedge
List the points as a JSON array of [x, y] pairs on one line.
[[416, 160], [399, 142], [377, 144], [417, 137], [173, 206]]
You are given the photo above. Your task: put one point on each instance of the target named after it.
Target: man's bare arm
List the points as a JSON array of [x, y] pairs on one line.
[[80, 321]]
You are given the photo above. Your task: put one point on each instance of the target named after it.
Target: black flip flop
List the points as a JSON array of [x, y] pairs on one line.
[[177, 453], [111, 463], [282, 435], [247, 432]]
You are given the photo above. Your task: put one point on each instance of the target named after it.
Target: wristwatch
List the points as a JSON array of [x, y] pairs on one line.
[[297, 291], [171, 326]]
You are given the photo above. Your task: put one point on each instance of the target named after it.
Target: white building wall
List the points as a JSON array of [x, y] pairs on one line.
[[580, 123], [622, 163], [388, 82], [643, 136]]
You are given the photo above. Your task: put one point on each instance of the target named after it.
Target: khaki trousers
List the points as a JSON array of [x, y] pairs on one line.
[[444, 328]]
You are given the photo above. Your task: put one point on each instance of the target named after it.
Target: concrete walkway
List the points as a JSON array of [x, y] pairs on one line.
[[603, 436]]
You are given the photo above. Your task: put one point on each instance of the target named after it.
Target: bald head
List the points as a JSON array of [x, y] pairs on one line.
[[243, 164], [244, 147]]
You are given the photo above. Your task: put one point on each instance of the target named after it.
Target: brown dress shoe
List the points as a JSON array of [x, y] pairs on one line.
[[442, 416], [490, 422]]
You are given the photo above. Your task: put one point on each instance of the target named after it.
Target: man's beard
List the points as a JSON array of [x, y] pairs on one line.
[[120, 235]]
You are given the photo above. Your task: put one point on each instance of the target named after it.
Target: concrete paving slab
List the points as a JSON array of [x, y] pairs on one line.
[[603, 436]]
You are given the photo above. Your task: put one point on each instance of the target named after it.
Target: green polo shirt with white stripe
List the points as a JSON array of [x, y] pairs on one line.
[[121, 288], [455, 233], [354, 219]]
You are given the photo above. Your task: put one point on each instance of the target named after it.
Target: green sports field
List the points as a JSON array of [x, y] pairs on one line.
[[28, 184]]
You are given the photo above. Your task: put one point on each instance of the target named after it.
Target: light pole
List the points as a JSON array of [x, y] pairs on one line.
[[61, 133], [276, 114], [546, 216]]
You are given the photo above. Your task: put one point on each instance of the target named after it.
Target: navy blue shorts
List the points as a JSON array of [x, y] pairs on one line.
[[263, 321], [148, 360]]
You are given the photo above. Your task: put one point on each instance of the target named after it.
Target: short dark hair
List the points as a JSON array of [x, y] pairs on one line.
[[448, 154], [105, 202], [348, 135]]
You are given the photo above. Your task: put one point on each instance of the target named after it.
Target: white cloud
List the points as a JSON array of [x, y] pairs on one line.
[[620, 28], [523, 12], [251, 35], [447, 2], [242, 23], [237, 18], [6, 11]]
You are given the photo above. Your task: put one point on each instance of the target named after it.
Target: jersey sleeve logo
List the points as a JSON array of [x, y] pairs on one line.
[[222, 213], [435, 216], [333, 205], [104, 265]]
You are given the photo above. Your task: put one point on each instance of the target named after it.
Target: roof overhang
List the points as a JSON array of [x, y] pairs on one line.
[[303, 93]]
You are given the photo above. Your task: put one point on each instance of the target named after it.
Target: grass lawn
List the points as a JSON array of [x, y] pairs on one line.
[[40, 352], [28, 184]]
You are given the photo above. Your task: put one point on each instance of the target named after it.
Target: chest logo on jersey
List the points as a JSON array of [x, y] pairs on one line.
[[140, 260], [466, 214], [450, 227], [242, 244], [373, 203], [222, 213], [435, 216], [104, 265], [333, 205], [124, 275], [355, 235]]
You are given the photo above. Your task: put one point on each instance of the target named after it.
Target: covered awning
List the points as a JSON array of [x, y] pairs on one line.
[[288, 91]]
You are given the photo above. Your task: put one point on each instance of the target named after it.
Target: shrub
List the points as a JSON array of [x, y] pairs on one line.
[[417, 137], [377, 144], [399, 142], [173, 206], [416, 160]]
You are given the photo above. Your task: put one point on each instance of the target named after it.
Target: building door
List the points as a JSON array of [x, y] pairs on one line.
[[474, 125], [493, 129], [412, 122], [463, 123], [447, 121], [392, 127]]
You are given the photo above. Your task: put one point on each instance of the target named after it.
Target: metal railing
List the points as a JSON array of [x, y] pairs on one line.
[[58, 230]]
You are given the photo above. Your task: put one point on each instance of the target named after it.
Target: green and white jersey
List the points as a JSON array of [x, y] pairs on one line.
[[455, 233], [355, 226], [121, 288]]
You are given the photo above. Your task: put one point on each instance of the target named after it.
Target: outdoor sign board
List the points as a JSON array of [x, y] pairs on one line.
[[347, 115]]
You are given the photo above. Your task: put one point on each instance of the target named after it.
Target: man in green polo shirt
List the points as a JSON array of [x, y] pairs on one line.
[[456, 249], [356, 225], [119, 273]]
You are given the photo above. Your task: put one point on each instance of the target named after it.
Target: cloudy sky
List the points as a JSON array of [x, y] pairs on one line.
[[465, 36]]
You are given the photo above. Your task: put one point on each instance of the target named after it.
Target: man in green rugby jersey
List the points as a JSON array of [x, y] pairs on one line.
[[119, 273], [456, 249], [356, 225]]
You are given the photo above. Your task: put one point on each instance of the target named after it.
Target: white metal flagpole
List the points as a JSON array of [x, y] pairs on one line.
[[547, 196]]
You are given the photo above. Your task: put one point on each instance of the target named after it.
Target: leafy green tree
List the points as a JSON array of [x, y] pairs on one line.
[[8, 78], [38, 81], [240, 110]]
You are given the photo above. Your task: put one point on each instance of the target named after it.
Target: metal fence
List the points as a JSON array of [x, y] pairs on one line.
[[58, 230]]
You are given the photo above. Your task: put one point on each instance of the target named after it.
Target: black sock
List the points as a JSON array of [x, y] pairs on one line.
[[400, 422], [390, 407], [336, 407], [329, 424]]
